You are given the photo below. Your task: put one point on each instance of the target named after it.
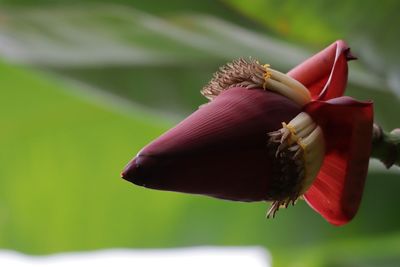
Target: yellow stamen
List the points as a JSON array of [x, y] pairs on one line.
[[266, 75], [289, 127], [302, 145]]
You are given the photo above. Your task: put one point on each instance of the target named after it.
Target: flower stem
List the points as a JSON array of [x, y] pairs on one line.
[[386, 146]]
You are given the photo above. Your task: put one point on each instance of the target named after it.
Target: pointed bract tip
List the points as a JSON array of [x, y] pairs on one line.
[[134, 172], [349, 55]]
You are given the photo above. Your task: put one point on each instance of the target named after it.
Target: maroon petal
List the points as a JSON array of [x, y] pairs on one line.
[[325, 73], [220, 150], [347, 125]]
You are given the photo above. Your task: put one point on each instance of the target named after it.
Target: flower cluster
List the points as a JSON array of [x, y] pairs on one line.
[[269, 136]]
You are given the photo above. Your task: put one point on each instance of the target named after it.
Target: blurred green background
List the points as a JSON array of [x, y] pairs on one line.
[[85, 84]]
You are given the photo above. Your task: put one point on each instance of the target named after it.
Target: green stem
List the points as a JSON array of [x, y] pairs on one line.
[[386, 146]]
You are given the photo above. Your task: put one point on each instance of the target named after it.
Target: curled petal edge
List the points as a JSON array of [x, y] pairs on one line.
[[325, 73]]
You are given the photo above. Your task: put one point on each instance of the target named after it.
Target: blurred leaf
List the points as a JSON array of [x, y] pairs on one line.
[[370, 28], [124, 50]]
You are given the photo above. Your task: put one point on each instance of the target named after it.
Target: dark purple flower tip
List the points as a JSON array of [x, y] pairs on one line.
[[349, 55], [220, 150], [137, 169]]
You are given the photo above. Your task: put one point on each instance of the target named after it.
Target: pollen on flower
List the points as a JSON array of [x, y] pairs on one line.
[[291, 128], [267, 75]]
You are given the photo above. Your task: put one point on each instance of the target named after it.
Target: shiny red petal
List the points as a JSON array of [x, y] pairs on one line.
[[347, 125], [325, 74]]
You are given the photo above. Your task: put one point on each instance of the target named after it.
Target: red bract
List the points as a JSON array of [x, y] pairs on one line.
[[222, 149], [347, 126]]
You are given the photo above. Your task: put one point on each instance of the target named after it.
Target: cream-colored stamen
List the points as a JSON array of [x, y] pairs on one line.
[[251, 74], [285, 85], [304, 139]]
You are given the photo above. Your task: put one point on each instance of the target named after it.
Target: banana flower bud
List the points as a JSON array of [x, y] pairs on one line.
[[269, 136]]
